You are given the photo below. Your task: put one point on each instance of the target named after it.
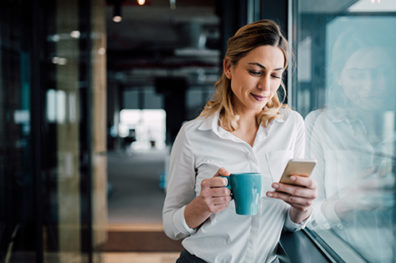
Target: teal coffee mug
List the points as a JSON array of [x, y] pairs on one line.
[[246, 191]]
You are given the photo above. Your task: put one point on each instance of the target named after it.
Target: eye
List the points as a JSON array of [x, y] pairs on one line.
[[255, 73], [276, 76]]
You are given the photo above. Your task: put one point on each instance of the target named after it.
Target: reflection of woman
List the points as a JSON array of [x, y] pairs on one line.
[[355, 194], [245, 128]]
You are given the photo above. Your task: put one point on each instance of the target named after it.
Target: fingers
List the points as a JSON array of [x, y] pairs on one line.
[[216, 204], [296, 201], [216, 198], [214, 187], [222, 171], [218, 201], [295, 190], [303, 181], [214, 193], [300, 195], [216, 180]]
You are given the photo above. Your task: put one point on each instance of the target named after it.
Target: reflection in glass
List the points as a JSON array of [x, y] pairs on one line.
[[353, 136]]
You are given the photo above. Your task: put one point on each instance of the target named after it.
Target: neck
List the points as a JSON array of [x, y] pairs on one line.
[[248, 121], [247, 127]]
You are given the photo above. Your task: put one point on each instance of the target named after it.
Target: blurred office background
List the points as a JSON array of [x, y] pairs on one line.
[[93, 93]]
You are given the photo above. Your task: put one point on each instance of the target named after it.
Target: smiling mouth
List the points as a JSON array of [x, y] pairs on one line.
[[257, 97]]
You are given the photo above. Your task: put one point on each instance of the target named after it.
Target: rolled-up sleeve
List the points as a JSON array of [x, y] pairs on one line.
[[180, 187]]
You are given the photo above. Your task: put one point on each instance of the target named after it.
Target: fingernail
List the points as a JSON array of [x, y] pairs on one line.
[[293, 178], [275, 185], [269, 194], [225, 182]]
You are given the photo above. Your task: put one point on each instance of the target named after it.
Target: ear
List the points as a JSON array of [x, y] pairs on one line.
[[227, 67]]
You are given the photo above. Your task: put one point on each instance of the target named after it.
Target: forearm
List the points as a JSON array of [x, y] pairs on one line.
[[298, 216], [196, 212]]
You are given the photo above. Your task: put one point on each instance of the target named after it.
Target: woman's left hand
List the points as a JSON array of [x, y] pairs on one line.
[[300, 196]]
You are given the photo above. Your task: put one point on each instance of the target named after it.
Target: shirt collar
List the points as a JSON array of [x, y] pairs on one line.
[[211, 122], [283, 114]]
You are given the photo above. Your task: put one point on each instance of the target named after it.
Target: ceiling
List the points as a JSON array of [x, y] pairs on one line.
[[156, 41]]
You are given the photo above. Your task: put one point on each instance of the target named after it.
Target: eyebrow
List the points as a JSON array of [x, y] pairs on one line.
[[261, 66]]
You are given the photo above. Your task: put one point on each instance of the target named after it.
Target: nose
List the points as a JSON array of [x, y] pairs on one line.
[[265, 83], [367, 85], [371, 80]]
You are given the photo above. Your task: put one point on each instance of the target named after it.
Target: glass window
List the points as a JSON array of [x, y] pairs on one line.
[[52, 131], [345, 88]]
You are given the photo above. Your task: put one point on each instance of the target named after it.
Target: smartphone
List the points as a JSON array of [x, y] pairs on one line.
[[301, 167]]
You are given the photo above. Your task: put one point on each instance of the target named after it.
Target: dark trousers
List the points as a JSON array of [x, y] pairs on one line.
[[186, 257]]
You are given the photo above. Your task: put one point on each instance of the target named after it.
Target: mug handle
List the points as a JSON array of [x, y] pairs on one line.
[[228, 181]]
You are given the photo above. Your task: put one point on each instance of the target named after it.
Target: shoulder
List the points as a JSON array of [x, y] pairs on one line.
[[314, 115], [288, 115], [190, 128], [188, 135], [192, 125], [325, 115]]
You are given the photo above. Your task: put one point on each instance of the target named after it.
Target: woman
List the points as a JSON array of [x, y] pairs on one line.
[[244, 129]]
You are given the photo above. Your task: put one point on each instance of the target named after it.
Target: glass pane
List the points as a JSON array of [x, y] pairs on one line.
[[52, 131], [17, 220], [345, 87]]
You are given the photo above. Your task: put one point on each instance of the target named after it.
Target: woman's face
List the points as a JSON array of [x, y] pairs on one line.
[[255, 78], [367, 78]]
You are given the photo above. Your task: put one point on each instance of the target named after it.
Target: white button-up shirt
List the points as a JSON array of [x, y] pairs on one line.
[[200, 149]]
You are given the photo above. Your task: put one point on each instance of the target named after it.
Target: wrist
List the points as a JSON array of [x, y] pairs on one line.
[[298, 216], [196, 212]]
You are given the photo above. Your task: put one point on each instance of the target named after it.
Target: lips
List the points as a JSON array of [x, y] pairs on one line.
[[258, 97]]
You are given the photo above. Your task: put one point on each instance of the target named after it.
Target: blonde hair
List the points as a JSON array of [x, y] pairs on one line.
[[247, 38]]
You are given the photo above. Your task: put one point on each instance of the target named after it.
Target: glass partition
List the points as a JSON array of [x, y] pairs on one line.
[[345, 88], [52, 131]]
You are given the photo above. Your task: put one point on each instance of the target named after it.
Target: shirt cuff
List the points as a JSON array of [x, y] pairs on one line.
[[293, 226], [181, 224]]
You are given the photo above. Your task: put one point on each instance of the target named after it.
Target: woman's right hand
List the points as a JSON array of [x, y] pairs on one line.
[[213, 198], [373, 190], [214, 194]]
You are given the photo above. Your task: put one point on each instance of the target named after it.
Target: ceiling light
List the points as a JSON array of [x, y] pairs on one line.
[[117, 19], [141, 2], [117, 12], [101, 51], [59, 60], [75, 34]]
